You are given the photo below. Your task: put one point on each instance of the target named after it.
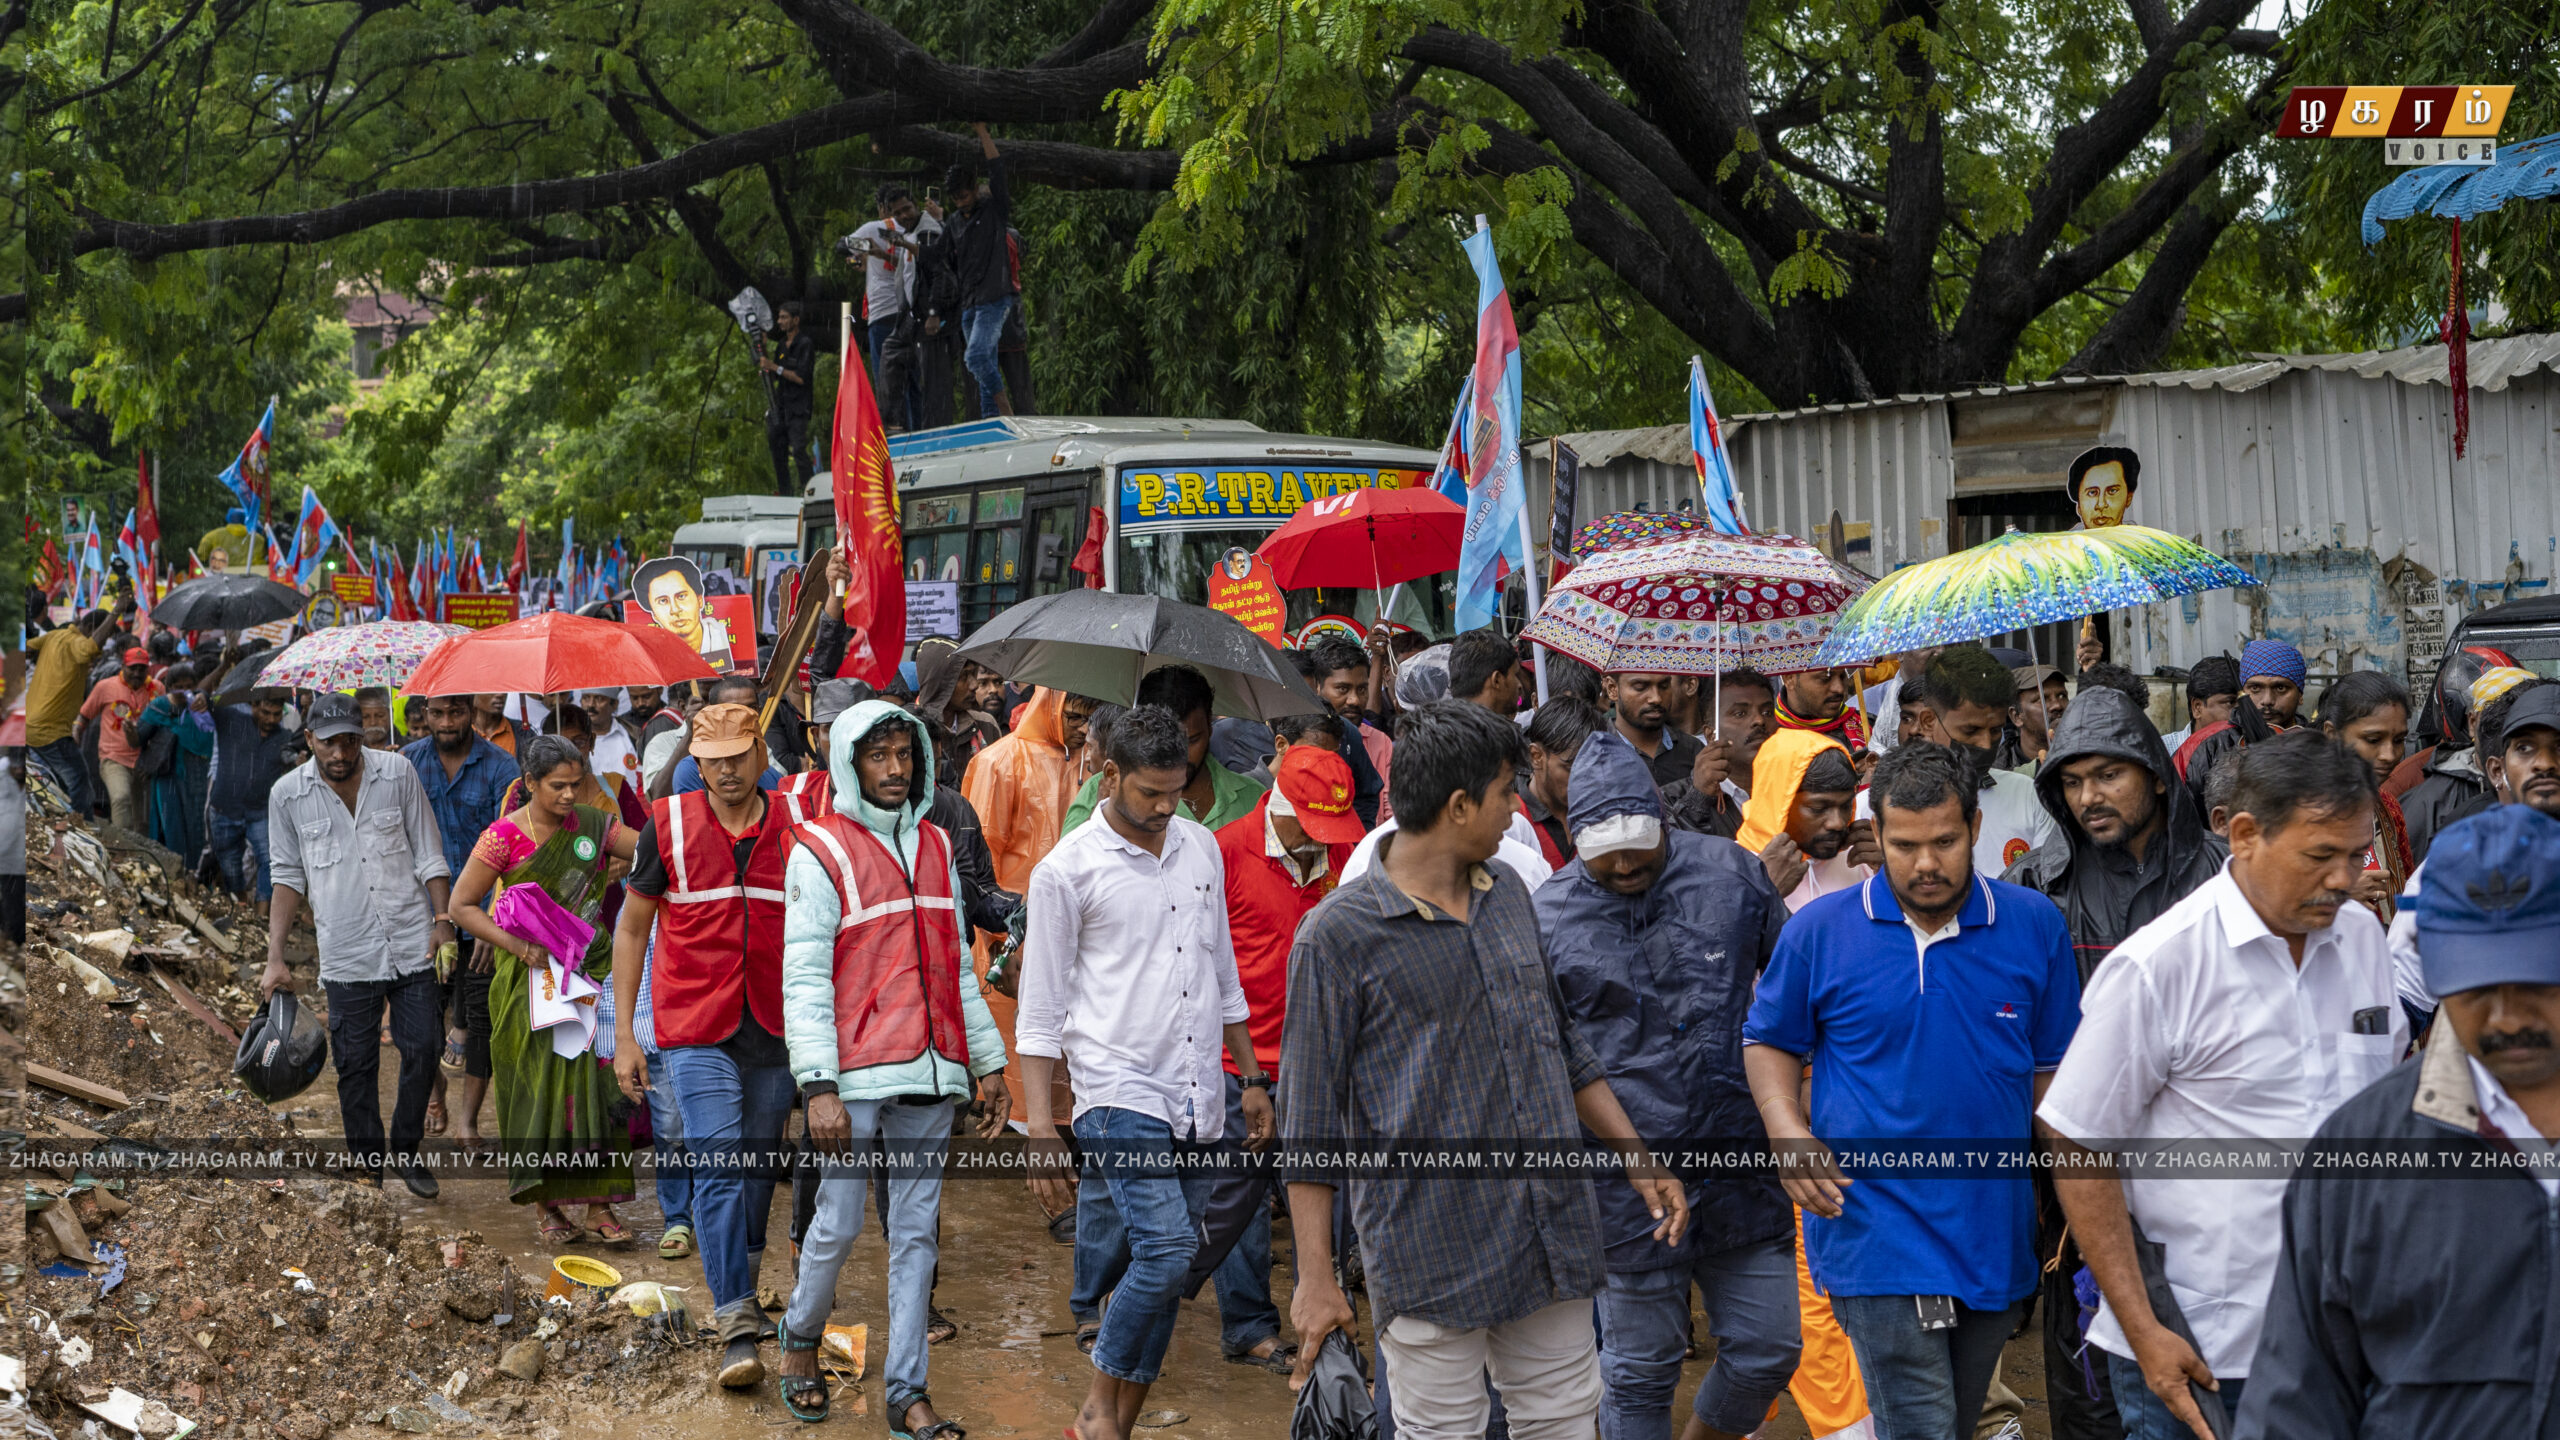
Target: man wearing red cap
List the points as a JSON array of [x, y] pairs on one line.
[[709, 875], [1280, 860], [115, 704]]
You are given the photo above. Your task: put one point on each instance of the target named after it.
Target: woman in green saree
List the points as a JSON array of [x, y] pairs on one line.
[[567, 1145]]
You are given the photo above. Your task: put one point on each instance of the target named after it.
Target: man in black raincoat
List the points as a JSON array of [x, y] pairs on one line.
[[2133, 844]]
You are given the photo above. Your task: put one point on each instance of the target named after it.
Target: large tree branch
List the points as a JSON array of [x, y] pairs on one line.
[[1108, 27], [2135, 337], [864, 52], [1042, 162], [998, 96], [1718, 315]]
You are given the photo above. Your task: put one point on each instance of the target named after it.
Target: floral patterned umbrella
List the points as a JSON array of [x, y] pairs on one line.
[[351, 657], [1633, 527], [1690, 601]]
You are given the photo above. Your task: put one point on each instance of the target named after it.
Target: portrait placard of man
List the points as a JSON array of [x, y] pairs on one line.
[[670, 588], [2102, 484]]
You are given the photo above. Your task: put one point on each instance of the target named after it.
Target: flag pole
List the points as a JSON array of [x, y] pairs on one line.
[[1528, 548]]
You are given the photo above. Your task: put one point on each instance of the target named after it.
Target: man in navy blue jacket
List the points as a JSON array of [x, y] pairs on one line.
[[1656, 936]]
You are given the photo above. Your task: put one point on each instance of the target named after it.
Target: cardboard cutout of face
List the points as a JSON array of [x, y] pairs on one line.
[[2102, 483], [670, 589]]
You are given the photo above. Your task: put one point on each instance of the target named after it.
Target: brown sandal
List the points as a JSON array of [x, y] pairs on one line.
[[611, 1230], [559, 1229]]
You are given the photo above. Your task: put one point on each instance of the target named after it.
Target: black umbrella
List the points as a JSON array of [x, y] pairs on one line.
[[228, 601], [243, 677], [1092, 642]]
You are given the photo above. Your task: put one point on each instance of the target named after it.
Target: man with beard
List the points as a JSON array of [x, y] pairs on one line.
[[2519, 742], [2249, 1011], [2131, 845], [2038, 700], [1969, 694], [2130, 842], [2271, 679], [2415, 1302], [1689, 772], [352, 830], [1932, 1002], [1818, 701], [1803, 822]]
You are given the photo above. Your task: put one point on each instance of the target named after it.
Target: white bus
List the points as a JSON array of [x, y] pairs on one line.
[[1001, 507], [741, 543]]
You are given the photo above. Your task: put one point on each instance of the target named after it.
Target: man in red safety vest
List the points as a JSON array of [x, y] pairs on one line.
[[708, 877], [888, 1036]]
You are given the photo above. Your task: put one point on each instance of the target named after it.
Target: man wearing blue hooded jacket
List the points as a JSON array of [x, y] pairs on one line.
[[1656, 936]]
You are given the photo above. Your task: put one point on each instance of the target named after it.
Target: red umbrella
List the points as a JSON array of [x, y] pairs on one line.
[[555, 651], [1367, 540]]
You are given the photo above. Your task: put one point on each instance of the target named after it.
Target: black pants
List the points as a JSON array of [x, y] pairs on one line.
[[13, 908], [470, 992], [355, 1044], [786, 433]]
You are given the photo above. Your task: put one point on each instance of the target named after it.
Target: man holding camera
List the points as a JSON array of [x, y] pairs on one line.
[[889, 251]]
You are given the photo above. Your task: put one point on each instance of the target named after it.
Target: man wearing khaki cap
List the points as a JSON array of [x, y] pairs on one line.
[[708, 875]]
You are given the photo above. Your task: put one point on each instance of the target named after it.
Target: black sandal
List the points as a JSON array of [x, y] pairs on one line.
[[938, 1327], [1086, 1334], [1281, 1361], [797, 1389], [938, 1430]]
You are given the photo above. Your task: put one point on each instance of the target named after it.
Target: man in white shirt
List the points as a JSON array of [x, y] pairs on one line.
[[1128, 974], [886, 250], [2247, 1012]]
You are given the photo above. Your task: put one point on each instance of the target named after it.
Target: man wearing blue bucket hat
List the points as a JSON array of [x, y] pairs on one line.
[[2417, 1296]]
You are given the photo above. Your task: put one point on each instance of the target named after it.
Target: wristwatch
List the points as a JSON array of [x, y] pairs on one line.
[[1255, 1082]]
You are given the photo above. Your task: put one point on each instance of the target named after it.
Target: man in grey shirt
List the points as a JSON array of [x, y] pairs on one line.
[[351, 830]]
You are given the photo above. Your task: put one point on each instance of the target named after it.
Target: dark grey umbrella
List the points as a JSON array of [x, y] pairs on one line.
[[227, 601], [242, 678], [1095, 643]]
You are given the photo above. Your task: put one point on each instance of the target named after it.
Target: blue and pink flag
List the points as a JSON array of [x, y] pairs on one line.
[[246, 478], [1723, 494], [1491, 546], [1450, 478], [312, 536]]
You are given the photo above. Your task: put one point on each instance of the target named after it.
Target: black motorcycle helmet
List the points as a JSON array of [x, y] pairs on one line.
[[284, 1049]]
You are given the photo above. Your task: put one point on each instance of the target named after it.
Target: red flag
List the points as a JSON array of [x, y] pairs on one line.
[[515, 567], [403, 607], [875, 592], [55, 572]]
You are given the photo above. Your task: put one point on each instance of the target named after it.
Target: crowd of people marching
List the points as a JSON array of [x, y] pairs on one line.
[[1975, 906]]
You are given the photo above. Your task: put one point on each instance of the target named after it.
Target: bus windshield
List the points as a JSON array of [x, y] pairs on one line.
[[1177, 564]]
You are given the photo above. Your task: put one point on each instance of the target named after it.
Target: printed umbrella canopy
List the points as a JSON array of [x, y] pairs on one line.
[[2022, 579], [555, 651], [1695, 602], [351, 657], [1629, 528]]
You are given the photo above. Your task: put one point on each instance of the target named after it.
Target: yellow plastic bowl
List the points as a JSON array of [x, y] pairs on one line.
[[594, 1274]]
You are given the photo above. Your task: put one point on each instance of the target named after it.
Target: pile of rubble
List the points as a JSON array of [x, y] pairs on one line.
[[172, 1285]]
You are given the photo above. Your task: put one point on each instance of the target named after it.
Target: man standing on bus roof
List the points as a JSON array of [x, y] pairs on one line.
[[671, 587]]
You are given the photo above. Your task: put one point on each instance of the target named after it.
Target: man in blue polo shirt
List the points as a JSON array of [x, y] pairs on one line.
[[1936, 1004]]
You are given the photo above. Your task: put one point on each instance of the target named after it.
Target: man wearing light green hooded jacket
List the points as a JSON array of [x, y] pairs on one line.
[[888, 1034]]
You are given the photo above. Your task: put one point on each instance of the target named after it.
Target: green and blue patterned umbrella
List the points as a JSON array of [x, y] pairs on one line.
[[2020, 580]]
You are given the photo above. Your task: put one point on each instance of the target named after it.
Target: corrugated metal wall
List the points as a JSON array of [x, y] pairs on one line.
[[2327, 475]]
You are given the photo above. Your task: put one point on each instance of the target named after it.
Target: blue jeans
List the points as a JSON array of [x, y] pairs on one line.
[[915, 1205], [666, 1134], [1158, 1210], [228, 832], [727, 1111], [984, 325], [62, 761], [1923, 1384], [1644, 1330], [2144, 1417]]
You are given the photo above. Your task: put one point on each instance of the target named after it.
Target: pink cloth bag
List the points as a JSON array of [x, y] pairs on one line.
[[529, 913]]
